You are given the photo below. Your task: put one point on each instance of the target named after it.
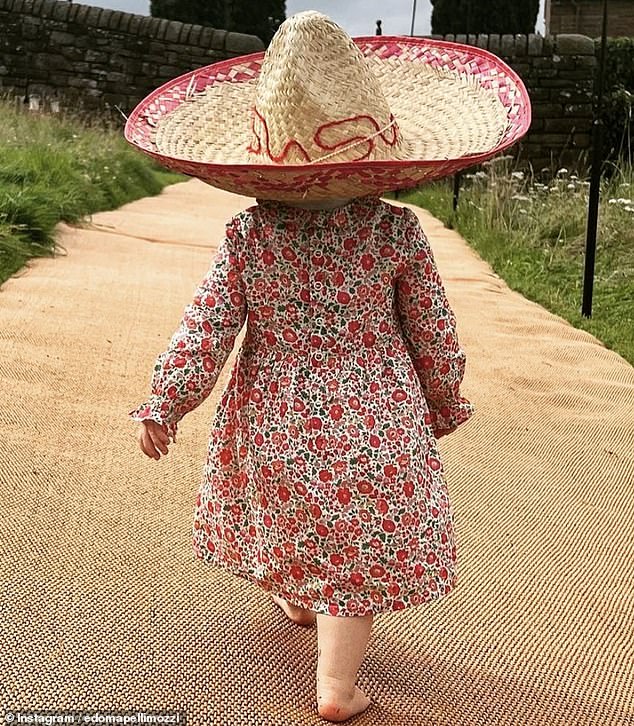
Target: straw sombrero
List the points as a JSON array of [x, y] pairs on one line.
[[320, 115]]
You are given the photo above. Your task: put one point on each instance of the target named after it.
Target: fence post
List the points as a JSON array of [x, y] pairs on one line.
[[456, 189], [595, 178]]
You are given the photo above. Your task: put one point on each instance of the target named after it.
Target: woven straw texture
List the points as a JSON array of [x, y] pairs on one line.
[[103, 604], [321, 115]]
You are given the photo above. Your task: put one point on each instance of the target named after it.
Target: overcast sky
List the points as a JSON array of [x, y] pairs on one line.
[[357, 17]]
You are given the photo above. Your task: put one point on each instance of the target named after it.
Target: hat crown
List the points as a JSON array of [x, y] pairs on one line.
[[318, 100]]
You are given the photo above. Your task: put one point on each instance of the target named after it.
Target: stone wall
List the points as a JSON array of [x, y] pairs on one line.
[[102, 57], [98, 57]]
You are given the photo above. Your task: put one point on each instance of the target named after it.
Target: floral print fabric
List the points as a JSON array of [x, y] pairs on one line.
[[323, 481]]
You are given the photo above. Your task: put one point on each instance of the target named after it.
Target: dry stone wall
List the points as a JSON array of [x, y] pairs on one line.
[[97, 57]]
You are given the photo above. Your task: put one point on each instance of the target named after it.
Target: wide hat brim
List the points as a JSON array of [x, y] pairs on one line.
[[461, 86]]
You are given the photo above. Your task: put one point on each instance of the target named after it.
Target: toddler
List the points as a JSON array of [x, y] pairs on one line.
[[324, 485]]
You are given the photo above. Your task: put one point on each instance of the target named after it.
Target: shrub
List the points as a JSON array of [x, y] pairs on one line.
[[618, 96]]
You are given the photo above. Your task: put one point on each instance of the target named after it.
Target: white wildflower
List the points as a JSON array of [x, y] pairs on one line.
[[562, 171], [570, 186], [480, 175], [521, 198], [518, 175]]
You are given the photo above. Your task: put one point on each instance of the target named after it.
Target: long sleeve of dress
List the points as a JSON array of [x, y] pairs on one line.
[[429, 327], [185, 374]]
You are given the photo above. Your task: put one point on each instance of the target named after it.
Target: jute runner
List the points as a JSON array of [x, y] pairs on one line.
[[103, 605]]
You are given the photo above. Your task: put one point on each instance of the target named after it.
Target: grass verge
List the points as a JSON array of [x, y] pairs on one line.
[[57, 168], [533, 236]]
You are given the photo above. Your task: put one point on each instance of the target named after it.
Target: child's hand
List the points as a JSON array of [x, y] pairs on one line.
[[152, 437]]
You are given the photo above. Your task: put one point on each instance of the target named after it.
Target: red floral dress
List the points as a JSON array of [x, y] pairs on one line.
[[323, 481]]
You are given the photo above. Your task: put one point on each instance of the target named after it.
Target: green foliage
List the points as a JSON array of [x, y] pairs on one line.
[[516, 224], [260, 18], [197, 12], [56, 169], [484, 16], [618, 96], [443, 17]]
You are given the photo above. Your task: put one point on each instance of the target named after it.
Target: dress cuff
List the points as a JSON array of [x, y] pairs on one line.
[[446, 419], [155, 409]]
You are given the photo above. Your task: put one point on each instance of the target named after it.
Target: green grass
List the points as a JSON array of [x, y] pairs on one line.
[[533, 236], [58, 168]]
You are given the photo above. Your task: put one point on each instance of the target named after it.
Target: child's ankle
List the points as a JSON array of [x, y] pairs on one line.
[[334, 683]]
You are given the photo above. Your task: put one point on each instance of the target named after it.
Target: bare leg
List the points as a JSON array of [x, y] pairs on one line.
[[342, 644]]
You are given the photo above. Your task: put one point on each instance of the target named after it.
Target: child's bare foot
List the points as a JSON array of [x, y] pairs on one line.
[[298, 615], [335, 702]]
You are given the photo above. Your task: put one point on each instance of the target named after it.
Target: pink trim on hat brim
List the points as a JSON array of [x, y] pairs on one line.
[[169, 95]]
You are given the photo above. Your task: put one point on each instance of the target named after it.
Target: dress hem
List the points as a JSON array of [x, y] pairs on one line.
[[324, 609]]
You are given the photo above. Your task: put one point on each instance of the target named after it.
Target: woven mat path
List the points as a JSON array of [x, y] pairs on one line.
[[103, 604]]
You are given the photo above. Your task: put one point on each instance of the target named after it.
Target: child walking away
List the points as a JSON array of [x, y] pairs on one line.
[[324, 483]]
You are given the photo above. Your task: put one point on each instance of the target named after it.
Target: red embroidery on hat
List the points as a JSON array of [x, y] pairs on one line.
[[251, 147], [371, 142], [256, 146], [258, 150]]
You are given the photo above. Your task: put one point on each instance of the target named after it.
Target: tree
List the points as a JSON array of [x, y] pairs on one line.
[[444, 15], [260, 18], [484, 16]]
